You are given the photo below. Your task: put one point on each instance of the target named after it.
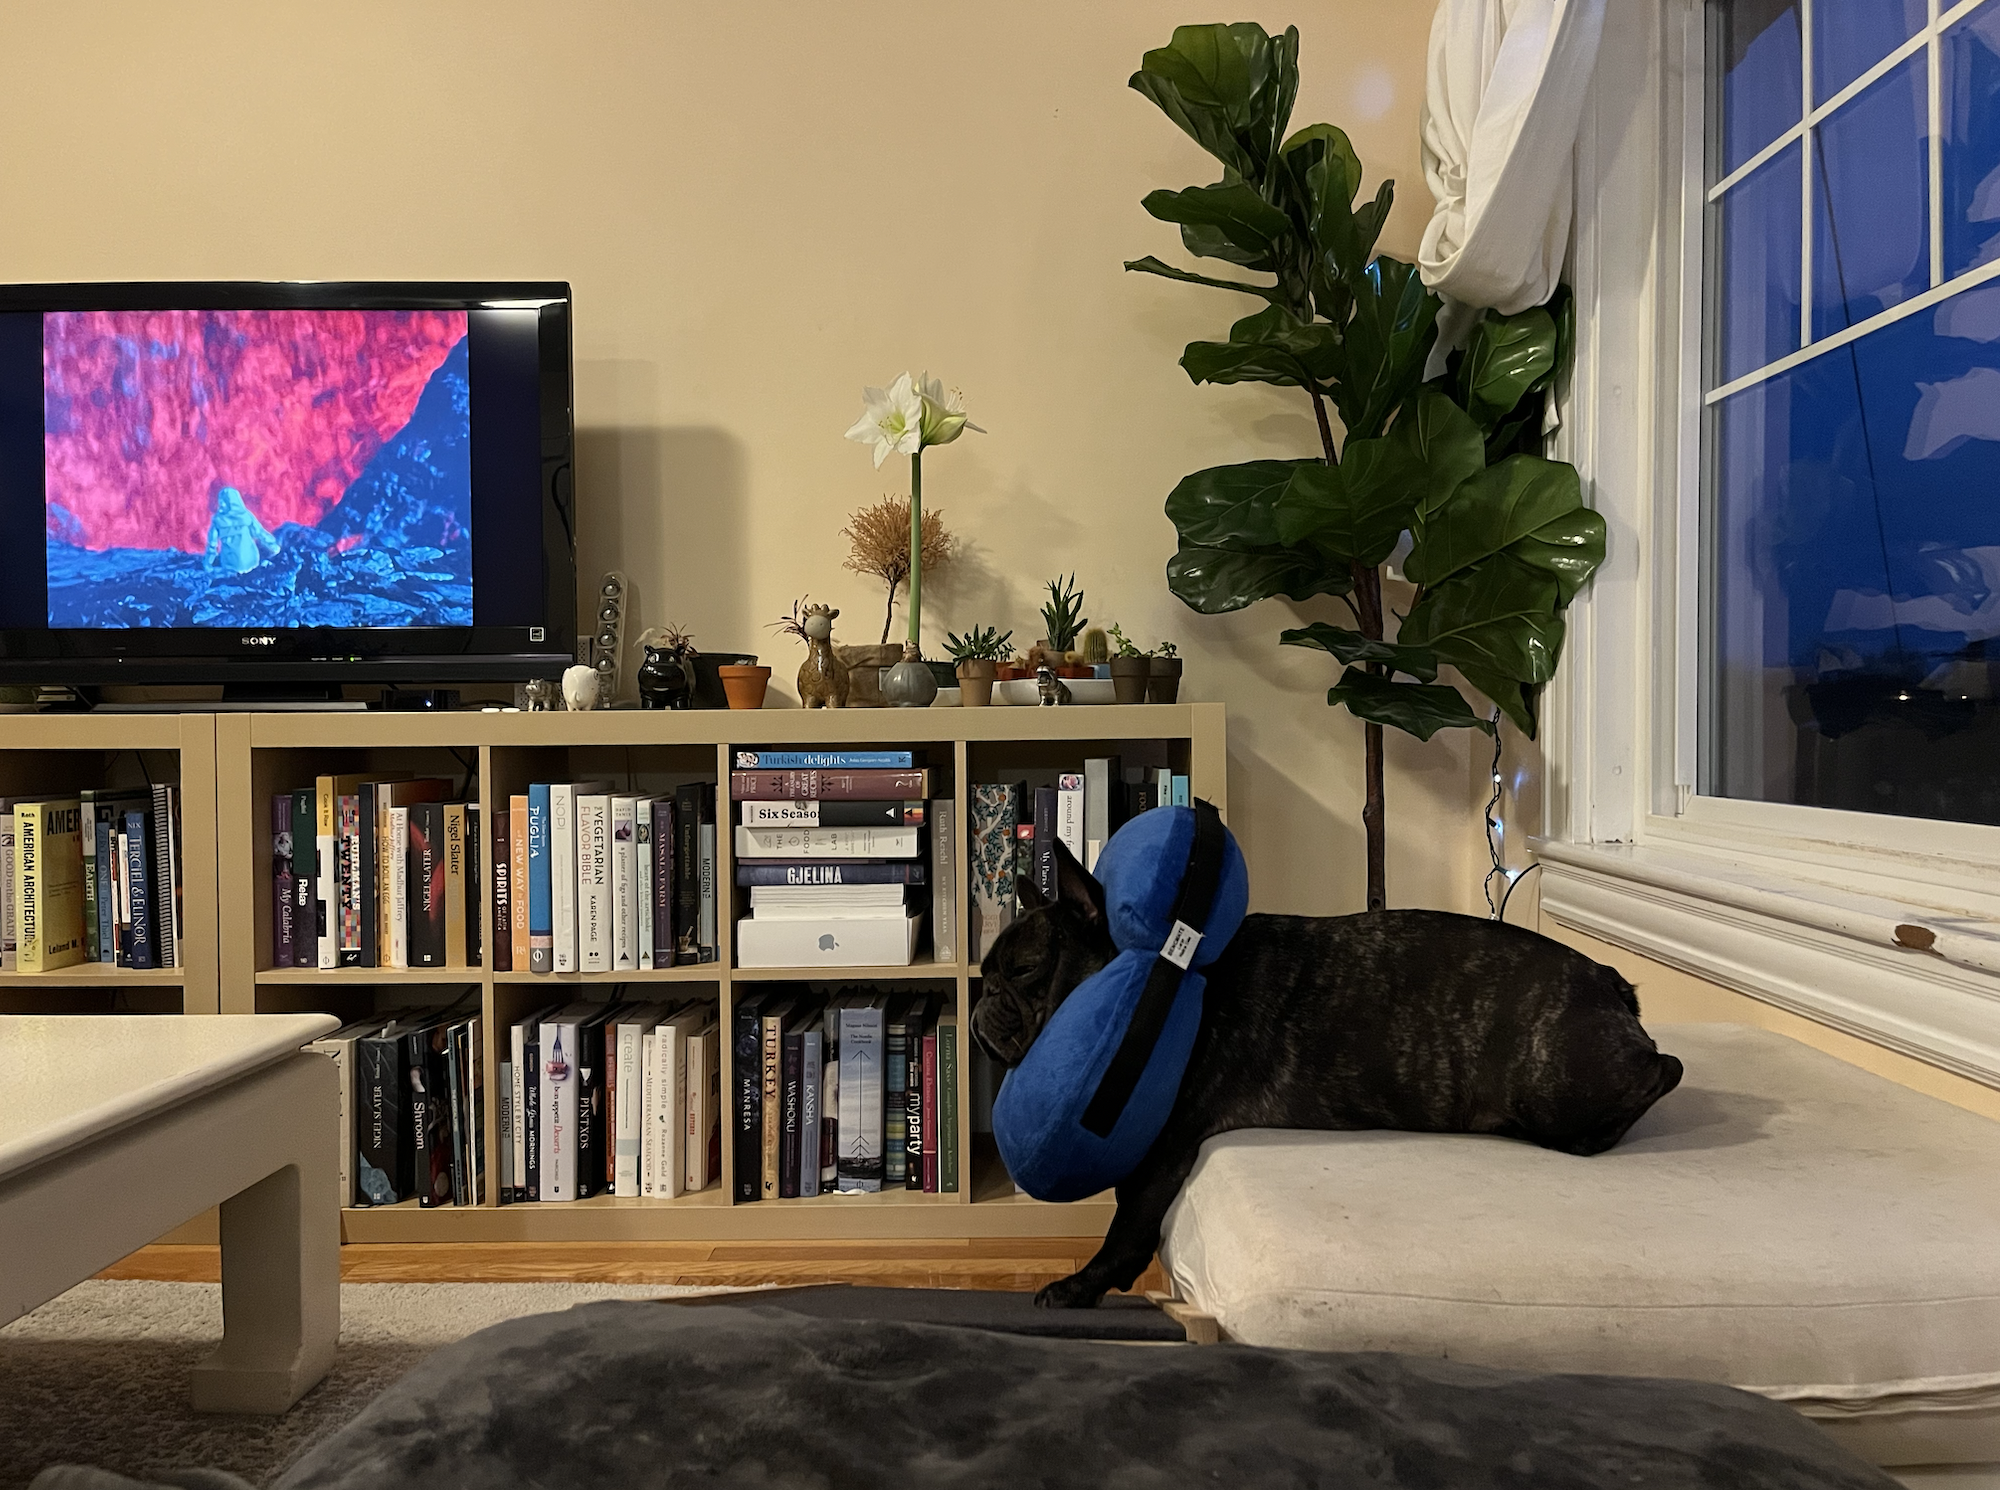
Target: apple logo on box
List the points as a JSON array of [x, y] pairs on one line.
[[827, 943]]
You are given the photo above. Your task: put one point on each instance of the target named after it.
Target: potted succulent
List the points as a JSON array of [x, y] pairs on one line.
[[1163, 680], [1063, 620], [978, 655], [1131, 669]]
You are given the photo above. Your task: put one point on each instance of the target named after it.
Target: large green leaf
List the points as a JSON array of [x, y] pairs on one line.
[[1232, 506], [1230, 87], [1353, 647], [1355, 512], [1151, 265], [1442, 439], [1386, 345], [1527, 507], [1498, 618], [1232, 209], [1511, 698], [1333, 165], [1272, 346], [1212, 243], [1214, 579], [1420, 709], [1505, 356]]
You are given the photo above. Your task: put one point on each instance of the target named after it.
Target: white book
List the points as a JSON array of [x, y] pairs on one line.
[[862, 1056], [399, 887], [558, 1102], [703, 1079], [562, 867], [339, 1048], [670, 1054], [827, 942], [624, 885], [705, 919], [593, 882], [1163, 786], [642, 879], [944, 882], [628, 1125], [872, 897], [1098, 776], [1069, 815], [826, 843], [326, 913], [892, 912], [517, 1135], [649, 1114]]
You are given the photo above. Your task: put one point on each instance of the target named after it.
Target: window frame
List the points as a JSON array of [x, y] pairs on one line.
[[1886, 927]]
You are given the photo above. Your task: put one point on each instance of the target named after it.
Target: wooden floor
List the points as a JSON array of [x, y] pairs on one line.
[[948, 1263]]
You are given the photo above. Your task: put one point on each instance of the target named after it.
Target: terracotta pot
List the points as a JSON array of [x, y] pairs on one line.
[[1011, 672], [745, 686], [975, 682], [1129, 677], [1163, 683]]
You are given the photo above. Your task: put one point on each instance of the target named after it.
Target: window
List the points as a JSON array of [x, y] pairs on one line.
[[1850, 480]]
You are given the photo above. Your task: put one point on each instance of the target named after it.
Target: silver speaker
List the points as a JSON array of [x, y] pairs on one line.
[[607, 642]]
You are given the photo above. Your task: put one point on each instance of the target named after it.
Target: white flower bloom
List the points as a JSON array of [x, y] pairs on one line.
[[892, 420], [944, 412]]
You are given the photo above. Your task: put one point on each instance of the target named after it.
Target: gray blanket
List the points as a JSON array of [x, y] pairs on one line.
[[620, 1395]]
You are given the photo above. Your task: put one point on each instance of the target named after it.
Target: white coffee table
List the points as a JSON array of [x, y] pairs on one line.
[[117, 1128]]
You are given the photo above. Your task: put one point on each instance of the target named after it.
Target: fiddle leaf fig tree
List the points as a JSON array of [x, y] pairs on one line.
[[1501, 540]]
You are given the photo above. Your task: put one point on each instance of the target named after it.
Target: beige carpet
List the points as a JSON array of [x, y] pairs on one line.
[[100, 1375]]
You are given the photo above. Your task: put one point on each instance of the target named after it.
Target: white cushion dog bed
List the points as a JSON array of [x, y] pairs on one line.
[[1782, 1221]]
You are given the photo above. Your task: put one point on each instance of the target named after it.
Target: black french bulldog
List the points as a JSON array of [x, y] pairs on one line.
[[1422, 1021]]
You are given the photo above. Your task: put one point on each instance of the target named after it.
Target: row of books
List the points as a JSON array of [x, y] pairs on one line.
[[835, 858], [93, 877], [411, 1099], [375, 873], [851, 1095], [612, 1099], [1014, 830], [589, 879]]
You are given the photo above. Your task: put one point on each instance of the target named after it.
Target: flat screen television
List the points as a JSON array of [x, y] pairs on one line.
[[285, 484]]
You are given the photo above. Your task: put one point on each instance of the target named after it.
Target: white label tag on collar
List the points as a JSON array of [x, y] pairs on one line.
[[1181, 944]]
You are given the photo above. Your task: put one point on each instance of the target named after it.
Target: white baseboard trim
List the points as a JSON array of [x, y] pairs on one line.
[[1837, 963]]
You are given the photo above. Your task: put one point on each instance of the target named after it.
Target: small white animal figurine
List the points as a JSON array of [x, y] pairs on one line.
[[580, 686]]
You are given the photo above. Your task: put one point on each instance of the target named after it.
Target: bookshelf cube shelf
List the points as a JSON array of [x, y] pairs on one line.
[[61, 755], [495, 756]]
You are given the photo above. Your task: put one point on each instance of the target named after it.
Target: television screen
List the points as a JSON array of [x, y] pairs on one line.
[[360, 481]]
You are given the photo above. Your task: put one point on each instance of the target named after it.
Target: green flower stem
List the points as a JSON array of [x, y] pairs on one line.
[[916, 548]]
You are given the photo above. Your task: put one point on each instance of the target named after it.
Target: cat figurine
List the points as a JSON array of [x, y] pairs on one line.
[[1422, 1021]]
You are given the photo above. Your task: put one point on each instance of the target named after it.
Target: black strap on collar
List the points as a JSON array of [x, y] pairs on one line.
[[1149, 1016]]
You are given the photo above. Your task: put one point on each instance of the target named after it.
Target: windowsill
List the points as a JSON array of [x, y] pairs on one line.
[[1887, 969]]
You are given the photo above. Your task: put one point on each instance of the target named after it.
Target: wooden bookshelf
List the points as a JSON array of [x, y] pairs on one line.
[[230, 765]]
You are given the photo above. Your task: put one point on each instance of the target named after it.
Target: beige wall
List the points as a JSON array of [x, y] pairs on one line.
[[763, 208]]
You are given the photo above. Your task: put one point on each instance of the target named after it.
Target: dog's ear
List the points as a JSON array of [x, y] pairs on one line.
[[1030, 894], [1077, 885]]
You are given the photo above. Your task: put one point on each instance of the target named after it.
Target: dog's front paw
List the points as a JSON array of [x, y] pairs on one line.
[[1073, 1292]]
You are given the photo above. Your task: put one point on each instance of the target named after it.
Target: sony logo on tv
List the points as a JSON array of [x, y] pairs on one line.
[[261, 639]]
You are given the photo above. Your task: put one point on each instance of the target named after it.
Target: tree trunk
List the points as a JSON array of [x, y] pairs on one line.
[[1368, 612], [889, 615]]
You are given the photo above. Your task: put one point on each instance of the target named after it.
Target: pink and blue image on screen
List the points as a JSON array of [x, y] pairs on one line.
[[258, 468]]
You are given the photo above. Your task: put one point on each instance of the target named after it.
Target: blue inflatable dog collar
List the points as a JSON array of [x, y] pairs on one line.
[[1096, 1086]]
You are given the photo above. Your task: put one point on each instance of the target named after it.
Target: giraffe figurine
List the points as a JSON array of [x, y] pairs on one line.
[[822, 676]]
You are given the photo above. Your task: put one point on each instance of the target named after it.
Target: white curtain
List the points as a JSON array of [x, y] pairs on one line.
[[1505, 96]]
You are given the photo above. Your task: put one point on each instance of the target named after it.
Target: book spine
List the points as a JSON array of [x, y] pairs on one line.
[[649, 1112], [706, 936], [1069, 815], [563, 874], [895, 1098], [696, 1102], [624, 872], [398, 908], [823, 760], [836, 814], [559, 1112], [917, 1112], [475, 925], [517, 1043], [121, 902], [944, 887], [139, 880], [105, 870], [642, 883], [746, 1056], [665, 890], [1045, 841], [771, 1065], [515, 851], [809, 786], [861, 1099], [281, 884], [831, 843], [456, 1054], [830, 872], [388, 849], [369, 873], [687, 874], [347, 873], [534, 1087], [506, 1155], [381, 1174], [503, 888], [326, 891], [627, 1086], [453, 876], [1098, 773], [590, 1110], [930, 1127], [947, 1104], [829, 1104], [89, 849], [27, 886], [791, 1087], [541, 924], [166, 910], [422, 1108], [991, 856], [1182, 796], [305, 881], [593, 884], [426, 929], [805, 1155]]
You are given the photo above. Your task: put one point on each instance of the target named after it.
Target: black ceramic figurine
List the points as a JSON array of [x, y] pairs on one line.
[[666, 677]]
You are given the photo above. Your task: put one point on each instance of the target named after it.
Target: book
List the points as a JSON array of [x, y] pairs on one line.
[[557, 1076], [838, 903], [805, 1155], [390, 890], [564, 867], [928, 1128], [829, 785], [898, 1019], [1181, 796], [829, 1100], [396, 888], [141, 917], [990, 855], [516, 1132], [102, 811], [831, 872], [642, 883], [686, 1060], [504, 1092], [531, 1110], [1100, 774], [473, 1105], [704, 1108], [9, 946], [650, 1134], [624, 942], [687, 874], [1045, 842], [382, 1160], [593, 882], [425, 1049], [1069, 814], [707, 939], [860, 1114], [305, 881], [457, 850], [771, 1025], [369, 871], [592, 1115], [347, 875], [503, 889], [837, 814], [746, 1047], [426, 890], [167, 814], [827, 943], [48, 884], [832, 843], [121, 900], [338, 1047], [516, 926], [823, 760], [665, 887], [541, 936], [944, 888], [791, 1102], [281, 886], [630, 1078], [947, 1101]]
